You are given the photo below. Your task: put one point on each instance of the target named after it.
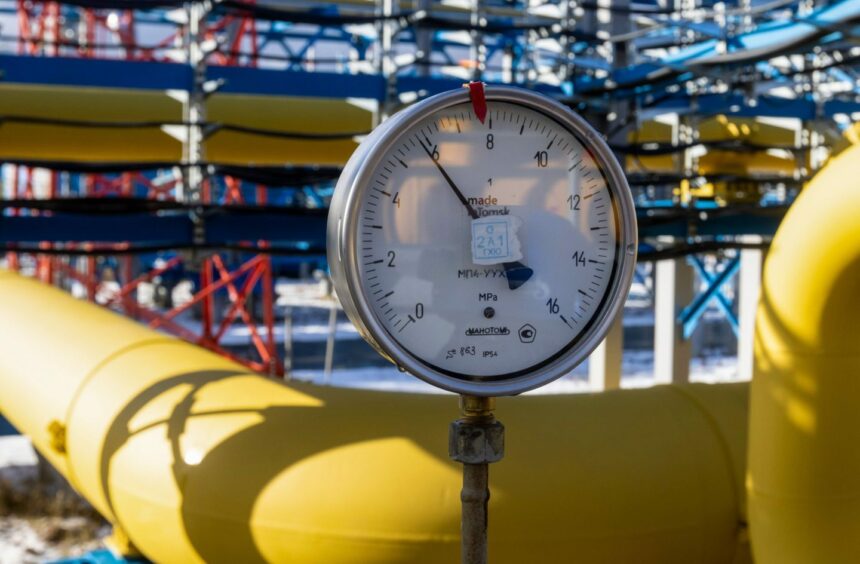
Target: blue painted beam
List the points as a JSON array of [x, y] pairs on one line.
[[735, 104], [299, 230], [133, 228], [722, 301], [689, 317], [247, 80], [101, 557], [95, 73], [429, 86], [767, 39], [741, 223]]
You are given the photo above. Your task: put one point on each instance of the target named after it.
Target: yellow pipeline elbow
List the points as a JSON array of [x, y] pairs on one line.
[[803, 476]]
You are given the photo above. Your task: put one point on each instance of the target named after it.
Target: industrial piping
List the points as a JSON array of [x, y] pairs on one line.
[[195, 459], [804, 442]]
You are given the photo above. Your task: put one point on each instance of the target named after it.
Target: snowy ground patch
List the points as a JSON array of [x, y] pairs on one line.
[[638, 370], [40, 521]]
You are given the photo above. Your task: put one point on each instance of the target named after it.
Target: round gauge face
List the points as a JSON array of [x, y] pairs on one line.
[[486, 252]]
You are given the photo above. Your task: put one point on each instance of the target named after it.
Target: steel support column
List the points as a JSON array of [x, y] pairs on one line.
[[673, 289], [749, 290], [604, 364]]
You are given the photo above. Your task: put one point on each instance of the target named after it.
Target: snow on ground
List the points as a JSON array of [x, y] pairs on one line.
[[16, 457], [19, 542], [39, 523], [638, 370], [310, 324], [26, 540]]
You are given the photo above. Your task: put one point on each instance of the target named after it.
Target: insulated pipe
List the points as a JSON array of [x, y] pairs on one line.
[[804, 447], [195, 459]]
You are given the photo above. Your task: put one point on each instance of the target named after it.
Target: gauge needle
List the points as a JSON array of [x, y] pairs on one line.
[[516, 272]]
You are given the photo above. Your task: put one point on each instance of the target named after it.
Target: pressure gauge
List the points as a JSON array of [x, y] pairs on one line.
[[484, 246]]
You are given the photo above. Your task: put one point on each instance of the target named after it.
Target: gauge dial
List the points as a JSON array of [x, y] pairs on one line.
[[483, 255]]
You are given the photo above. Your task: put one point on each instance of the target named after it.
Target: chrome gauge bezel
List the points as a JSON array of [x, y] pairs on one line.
[[343, 253]]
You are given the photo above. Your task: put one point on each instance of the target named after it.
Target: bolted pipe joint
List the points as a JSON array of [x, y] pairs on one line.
[[476, 442]]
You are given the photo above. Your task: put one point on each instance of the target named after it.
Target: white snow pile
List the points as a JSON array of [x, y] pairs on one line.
[[638, 370], [40, 521]]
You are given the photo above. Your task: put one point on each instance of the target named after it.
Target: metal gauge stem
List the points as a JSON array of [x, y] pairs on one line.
[[487, 258]]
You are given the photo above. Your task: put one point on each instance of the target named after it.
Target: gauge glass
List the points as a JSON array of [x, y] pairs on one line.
[[438, 281]]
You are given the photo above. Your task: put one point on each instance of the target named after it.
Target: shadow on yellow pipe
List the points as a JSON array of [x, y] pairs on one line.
[[804, 460], [195, 459]]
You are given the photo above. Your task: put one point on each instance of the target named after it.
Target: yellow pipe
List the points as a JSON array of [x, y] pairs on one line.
[[195, 459], [46, 141], [804, 450]]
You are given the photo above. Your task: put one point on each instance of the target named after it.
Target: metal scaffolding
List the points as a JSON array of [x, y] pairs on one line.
[[719, 111]]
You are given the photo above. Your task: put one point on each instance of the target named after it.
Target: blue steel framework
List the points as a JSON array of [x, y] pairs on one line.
[[617, 63]]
